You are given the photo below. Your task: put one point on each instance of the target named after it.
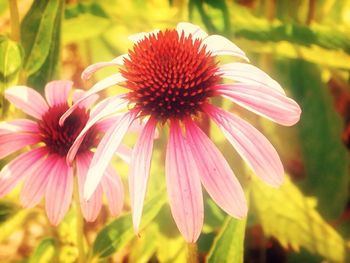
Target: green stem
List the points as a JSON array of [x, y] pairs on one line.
[[15, 29], [192, 253], [80, 224]]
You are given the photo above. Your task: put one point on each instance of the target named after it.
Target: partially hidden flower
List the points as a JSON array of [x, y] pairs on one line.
[[170, 77], [44, 168]]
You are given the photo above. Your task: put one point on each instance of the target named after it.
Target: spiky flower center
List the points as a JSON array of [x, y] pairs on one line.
[[59, 139], [170, 75]]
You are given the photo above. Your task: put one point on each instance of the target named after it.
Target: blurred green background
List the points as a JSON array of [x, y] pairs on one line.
[[303, 44]]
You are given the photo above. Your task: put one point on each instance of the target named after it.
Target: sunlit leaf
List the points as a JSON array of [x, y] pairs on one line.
[[12, 224], [40, 30], [171, 249], [120, 231], [292, 218], [228, 245], [44, 252]]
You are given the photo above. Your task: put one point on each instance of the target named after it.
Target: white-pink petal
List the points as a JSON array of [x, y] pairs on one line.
[[112, 186], [247, 73], [219, 45], [253, 146], [124, 152], [183, 185], [140, 169], [216, 174], [19, 168], [103, 109], [59, 191], [90, 70], [19, 125], [13, 142], [188, 28], [262, 100], [79, 93], [34, 186], [56, 92], [90, 209], [105, 151], [141, 35], [28, 100], [99, 86]]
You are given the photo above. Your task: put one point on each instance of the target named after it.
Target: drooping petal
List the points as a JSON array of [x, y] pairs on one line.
[[101, 85], [183, 185], [188, 28], [90, 70], [264, 101], [113, 187], [19, 168], [19, 125], [124, 152], [28, 100], [103, 109], [246, 73], [253, 147], [34, 186], [11, 143], [59, 192], [105, 151], [139, 170], [56, 92], [140, 36], [219, 45], [90, 209], [216, 174], [79, 93]]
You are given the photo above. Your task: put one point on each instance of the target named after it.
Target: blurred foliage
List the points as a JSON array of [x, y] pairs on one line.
[[304, 45]]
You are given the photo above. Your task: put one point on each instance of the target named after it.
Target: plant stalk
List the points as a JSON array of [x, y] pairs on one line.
[[80, 223], [15, 28]]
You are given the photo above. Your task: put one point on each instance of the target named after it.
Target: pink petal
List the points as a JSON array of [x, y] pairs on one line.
[[101, 85], [104, 124], [113, 187], [59, 191], [216, 174], [79, 93], [139, 170], [19, 168], [19, 125], [219, 45], [56, 92], [91, 208], [264, 101], [105, 151], [104, 108], [250, 74], [253, 147], [28, 100], [36, 182], [183, 185], [140, 36], [124, 152], [188, 28], [11, 143], [90, 70]]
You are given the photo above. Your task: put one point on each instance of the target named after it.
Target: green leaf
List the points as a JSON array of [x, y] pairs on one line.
[[228, 245], [289, 216], [325, 158], [44, 252], [40, 31], [120, 231], [10, 65]]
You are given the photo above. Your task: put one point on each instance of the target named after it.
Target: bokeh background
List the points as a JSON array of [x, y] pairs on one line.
[[303, 44]]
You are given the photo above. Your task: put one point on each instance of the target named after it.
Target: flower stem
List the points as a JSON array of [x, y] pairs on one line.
[[80, 224], [15, 31], [192, 253]]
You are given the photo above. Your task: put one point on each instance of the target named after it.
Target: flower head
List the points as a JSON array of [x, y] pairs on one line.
[[171, 77], [44, 168]]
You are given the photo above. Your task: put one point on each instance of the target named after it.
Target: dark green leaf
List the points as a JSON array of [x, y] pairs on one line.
[[325, 157], [44, 252], [228, 245], [120, 231], [40, 31]]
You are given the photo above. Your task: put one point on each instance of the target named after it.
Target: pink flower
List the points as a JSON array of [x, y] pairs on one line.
[[171, 76], [44, 168]]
